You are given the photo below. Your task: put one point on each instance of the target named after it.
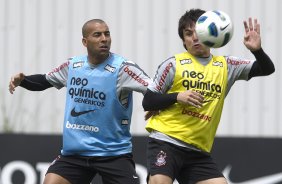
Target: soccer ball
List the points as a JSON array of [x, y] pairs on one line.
[[214, 29]]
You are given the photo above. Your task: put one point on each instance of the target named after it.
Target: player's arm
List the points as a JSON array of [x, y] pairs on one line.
[[252, 40], [155, 101], [262, 66], [35, 82], [39, 82], [132, 78], [157, 98]]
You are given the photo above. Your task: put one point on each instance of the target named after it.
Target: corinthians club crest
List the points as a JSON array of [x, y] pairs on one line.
[[161, 159]]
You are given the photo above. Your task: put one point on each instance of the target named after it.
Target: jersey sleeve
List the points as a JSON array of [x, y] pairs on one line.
[[58, 76], [238, 69], [132, 78], [164, 77]]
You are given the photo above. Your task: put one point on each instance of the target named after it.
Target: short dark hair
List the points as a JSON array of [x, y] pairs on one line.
[[188, 19], [85, 31]]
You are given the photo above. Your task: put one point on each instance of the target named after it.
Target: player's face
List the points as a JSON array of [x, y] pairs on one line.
[[98, 42], [192, 43]]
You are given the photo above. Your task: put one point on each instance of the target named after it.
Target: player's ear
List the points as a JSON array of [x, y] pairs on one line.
[[84, 42]]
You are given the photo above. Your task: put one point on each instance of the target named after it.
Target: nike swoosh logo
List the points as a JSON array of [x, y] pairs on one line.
[[75, 114], [222, 28], [270, 179]]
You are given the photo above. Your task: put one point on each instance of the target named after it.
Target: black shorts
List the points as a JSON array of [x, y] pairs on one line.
[[183, 164], [81, 170]]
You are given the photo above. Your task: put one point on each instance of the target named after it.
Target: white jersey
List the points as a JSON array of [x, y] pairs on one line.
[[238, 69]]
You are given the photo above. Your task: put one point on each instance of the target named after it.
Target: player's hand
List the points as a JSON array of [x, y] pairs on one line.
[[191, 98], [150, 114], [15, 82], [252, 39]]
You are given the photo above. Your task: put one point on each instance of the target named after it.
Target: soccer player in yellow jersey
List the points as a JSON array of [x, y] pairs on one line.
[[189, 90]]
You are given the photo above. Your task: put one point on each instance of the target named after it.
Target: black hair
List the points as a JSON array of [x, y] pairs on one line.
[[188, 19]]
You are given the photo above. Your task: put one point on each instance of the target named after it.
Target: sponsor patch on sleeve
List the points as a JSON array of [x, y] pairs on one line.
[[78, 64]]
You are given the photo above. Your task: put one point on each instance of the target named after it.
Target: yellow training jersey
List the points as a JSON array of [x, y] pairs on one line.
[[196, 126]]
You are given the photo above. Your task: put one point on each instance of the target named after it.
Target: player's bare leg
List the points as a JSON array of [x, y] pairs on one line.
[[52, 178], [160, 179], [220, 180]]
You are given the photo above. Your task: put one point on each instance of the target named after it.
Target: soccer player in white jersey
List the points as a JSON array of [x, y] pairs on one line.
[[96, 137], [189, 90]]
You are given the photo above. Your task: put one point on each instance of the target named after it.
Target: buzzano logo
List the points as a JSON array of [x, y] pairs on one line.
[[82, 94], [81, 127]]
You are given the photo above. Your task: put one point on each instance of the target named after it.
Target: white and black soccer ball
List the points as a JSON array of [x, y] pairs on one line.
[[214, 28]]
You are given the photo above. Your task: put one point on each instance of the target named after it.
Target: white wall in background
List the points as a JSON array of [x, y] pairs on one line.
[[38, 35]]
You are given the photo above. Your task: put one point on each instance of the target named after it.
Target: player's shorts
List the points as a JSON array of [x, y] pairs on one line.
[[82, 170], [180, 163]]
